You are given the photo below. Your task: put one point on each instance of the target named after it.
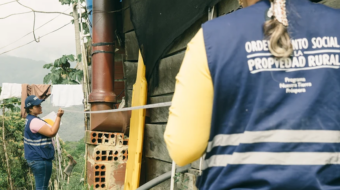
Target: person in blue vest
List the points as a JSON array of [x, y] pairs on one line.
[[257, 99], [38, 144]]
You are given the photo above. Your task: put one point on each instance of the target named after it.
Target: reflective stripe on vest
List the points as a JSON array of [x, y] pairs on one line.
[[40, 142], [278, 158]]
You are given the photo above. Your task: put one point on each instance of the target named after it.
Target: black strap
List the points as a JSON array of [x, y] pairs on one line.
[[101, 51], [103, 44]]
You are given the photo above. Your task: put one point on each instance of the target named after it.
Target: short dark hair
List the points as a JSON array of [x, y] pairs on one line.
[[28, 109]]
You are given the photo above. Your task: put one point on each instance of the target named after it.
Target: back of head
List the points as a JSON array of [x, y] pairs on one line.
[[276, 31]]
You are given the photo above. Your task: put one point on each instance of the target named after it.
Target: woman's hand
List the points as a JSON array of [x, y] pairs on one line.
[[60, 112]]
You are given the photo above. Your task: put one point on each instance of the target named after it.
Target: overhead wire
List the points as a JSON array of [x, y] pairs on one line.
[[33, 20], [33, 40], [7, 3], [32, 10], [31, 32], [35, 12], [15, 14]]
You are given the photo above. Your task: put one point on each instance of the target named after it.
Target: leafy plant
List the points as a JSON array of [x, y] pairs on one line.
[[62, 73], [14, 126], [68, 2]]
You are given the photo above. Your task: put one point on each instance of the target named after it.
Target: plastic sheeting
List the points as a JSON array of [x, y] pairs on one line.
[[158, 24], [89, 7]]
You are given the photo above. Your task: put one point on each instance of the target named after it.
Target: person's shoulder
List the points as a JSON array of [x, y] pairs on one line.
[[324, 10], [324, 16], [241, 17], [37, 121], [326, 6], [36, 124]]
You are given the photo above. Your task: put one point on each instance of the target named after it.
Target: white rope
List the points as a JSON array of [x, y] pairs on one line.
[[201, 161], [173, 171], [157, 105]]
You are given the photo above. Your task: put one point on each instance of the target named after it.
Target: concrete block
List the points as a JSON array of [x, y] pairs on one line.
[[106, 166], [106, 138]]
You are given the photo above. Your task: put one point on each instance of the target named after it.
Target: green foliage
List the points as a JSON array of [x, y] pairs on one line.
[[14, 127], [61, 71], [79, 57], [77, 150], [69, 2], [12, 104]]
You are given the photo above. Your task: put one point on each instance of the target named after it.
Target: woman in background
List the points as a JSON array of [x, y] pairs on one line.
[[38, 145]]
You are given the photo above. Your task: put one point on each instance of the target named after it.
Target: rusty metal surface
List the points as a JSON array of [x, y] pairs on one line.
[[102, 96], [107, 152], [103, 62], [111, 122]]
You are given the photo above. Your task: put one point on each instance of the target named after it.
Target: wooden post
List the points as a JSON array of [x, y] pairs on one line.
[[5, 150], [77, 34], [86, 87]]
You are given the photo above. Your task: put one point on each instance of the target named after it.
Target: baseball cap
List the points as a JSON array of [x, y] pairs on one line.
[[32, 101]]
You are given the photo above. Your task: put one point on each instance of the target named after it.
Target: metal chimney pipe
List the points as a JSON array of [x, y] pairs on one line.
[[103, 46], [102, 96]]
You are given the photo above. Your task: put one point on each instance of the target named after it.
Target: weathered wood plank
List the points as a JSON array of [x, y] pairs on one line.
[[128, 98], [127, 24], [156, 168], [331, 3], [154, 145], [130, 73], [227, 6], [160, 115], [185, 38], [168, 70], [131, 46]]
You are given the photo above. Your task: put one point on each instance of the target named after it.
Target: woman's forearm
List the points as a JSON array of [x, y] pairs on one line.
[[56, 125]]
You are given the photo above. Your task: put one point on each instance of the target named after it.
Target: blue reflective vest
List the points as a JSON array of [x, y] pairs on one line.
[[37, 147], [275, 122]]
